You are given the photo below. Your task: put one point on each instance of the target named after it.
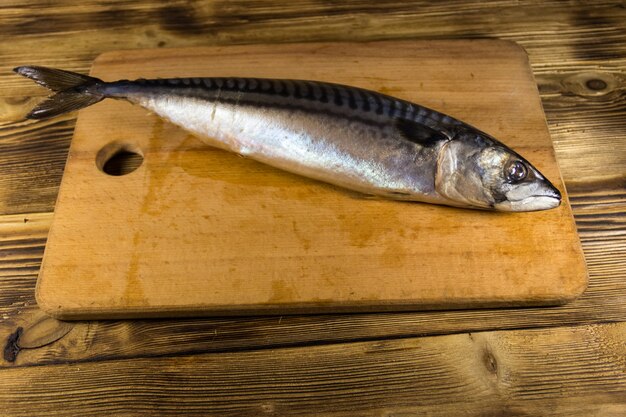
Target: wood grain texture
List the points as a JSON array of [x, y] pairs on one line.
[[22, 240], [569, 44], [570, 371], [562, 42], [604, 301], [33, 158]]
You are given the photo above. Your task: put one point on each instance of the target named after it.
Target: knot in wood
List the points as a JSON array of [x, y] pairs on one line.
[[490, 362], [11, 348], [591, 84], [596, 84]]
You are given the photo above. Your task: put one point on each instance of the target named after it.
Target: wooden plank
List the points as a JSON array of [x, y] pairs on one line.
[[570, 371], [33, 158], [22, 240], [177, 23]]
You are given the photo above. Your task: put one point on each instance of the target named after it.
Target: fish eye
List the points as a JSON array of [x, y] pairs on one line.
[[515, 172]]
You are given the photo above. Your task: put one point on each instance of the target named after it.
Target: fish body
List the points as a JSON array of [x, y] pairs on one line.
[[347, 136]]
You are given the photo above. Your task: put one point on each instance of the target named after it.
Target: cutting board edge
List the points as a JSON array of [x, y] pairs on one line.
[[112, 56], [56, 309], [560, 184]]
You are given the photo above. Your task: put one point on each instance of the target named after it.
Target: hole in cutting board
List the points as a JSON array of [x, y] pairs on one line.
[[118, 159]]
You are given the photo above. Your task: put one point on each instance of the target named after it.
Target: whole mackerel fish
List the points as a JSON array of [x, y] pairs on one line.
[[347, 136]]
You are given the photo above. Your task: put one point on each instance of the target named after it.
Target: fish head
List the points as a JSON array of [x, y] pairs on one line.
[[475, 170]]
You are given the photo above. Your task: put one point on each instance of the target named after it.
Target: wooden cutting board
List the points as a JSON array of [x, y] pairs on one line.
[[199, 231]]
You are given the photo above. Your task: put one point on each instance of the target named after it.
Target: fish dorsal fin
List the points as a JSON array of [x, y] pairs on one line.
[[419, 133]]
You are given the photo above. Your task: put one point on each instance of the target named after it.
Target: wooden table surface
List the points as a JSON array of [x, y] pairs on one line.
[[431, 363]]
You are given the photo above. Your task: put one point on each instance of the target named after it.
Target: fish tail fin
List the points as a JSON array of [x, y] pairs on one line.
[[73, 91]]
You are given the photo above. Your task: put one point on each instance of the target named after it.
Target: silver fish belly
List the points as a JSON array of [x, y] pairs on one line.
[[347, 136], [344, 151]]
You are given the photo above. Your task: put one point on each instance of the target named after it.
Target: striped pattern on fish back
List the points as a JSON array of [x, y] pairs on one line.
[[307, 95]]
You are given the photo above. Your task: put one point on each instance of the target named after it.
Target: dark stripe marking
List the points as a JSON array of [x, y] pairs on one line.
[[356, 98], [351, 98], [338, 100], [365, 100]]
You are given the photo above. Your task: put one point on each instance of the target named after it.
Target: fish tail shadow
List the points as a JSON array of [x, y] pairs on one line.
[[73, 91]]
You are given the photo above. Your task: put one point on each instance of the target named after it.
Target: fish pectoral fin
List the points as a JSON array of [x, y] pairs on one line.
[[418, 133]]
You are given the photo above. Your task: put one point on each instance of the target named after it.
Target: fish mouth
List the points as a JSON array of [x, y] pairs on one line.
[[545, 201]]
